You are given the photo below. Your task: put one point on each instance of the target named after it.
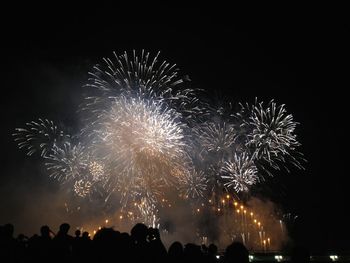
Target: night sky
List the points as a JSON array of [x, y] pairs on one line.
[[298, 59]]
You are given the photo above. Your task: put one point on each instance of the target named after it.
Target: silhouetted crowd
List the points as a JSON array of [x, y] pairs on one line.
[[143, 244]]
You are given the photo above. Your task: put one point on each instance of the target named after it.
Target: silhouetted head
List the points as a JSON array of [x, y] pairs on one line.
[[204, 248], [212, 249], [64, 228], [192, 251], [106, 239], [139, 232], [236, 253], [85, 234], [77, 233], [45, 231], [21, 237], [175, 250], [300, 255]]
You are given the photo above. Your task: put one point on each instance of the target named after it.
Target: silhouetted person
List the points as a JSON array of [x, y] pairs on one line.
[[236, 253], [106, 244], [175, 252], [44, 244], [140, 245], [85, 235], [45, 234], [204, 249], [157, 250], [300, 255], [62, 243], [33, 248], [21, 248], [77, 249], [22, 240], [139, 233], [85, 239], [82, 252], [212, 253], [193, 253]]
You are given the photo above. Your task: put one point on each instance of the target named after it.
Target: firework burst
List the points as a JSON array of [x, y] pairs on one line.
[[240, 173], [82, 188], [216, 137], [97, 171], [143, 139], [193, 184], [67, 163], [40, 136], [272, 138], [139, 75]]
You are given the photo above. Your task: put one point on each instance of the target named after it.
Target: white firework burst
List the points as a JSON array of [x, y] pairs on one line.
[[142, 137], [82, 188], [40, 136], [272, 136], [193, 184], [133, 73], [67, 163], [138, 75], [216, 137], [96, 169], [240, 173], [139, 132]]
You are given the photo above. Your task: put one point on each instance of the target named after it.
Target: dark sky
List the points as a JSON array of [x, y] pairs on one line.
[[298, 59]]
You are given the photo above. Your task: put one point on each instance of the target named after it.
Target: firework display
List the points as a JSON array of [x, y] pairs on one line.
[[149, 138]]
